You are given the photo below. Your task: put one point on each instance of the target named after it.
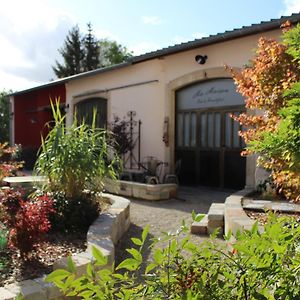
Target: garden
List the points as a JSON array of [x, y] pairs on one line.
[[253, 264], [39, 226]]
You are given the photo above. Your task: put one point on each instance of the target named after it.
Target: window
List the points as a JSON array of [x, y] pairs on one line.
[[84, 111]]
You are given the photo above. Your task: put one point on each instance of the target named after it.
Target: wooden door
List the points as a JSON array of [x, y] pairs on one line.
[[209, 146]]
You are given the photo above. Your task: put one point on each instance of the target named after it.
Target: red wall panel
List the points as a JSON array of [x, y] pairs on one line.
[[31, 113]]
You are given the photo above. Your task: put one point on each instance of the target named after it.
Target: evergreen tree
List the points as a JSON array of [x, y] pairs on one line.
[[92, 51], [72, 53], [81, 54]]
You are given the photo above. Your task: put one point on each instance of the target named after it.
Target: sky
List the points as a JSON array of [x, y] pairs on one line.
[[32, 31]]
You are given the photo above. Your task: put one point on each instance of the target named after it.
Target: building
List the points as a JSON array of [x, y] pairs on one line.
[[182, 94]]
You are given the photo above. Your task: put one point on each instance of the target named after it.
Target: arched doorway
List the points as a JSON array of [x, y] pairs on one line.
[[207, 140]]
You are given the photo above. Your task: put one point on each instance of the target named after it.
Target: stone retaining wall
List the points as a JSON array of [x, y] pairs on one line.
[[104, 233]]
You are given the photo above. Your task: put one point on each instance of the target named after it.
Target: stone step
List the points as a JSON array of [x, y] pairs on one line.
[[200, 227], [216, 212], [215, 218]]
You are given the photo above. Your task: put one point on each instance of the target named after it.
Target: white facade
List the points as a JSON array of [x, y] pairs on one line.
[[149, 89]]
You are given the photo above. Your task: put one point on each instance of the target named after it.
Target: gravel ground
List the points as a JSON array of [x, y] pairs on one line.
[[166, 215]]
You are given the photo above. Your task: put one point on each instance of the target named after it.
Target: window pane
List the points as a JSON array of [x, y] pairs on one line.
[[217, 130], [193, 129], [179, 129], [203, 130], [186, 129], [210, 125], [228, 121]]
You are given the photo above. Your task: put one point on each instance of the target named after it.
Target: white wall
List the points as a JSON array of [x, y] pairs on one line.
[[153, 101]]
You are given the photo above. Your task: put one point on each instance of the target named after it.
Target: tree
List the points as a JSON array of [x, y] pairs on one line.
[[113, 53], [4, 117], [264, 83], [72, 53], [92, 51], [81, 54]]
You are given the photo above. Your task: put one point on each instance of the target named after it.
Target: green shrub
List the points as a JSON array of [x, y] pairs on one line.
[[256, 266], [75, 159], [3, 239]]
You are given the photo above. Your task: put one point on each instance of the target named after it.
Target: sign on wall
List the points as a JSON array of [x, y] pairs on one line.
[[213, 93]]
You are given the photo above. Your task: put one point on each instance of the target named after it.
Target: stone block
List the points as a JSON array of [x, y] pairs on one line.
[[216, 212], [29, 289], [200, 227], [51, 290], [6, 294]]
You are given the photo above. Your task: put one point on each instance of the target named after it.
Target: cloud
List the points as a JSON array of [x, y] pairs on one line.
[[105, 34], [33, 34], [151, 20], [291, 6], [144, 47]]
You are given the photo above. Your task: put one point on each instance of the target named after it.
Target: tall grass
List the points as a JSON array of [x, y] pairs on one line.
[[75, 158]]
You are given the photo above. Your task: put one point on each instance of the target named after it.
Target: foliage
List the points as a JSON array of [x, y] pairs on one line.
[[26, 220], [75, 159], [8, 167], [72, 54], [291, 40], [283, 146], [258, 265], [4, 116], [112, 53], [85, 53], [74, 215], [92, 50], [122, 141], [3, 240], [271, 73]]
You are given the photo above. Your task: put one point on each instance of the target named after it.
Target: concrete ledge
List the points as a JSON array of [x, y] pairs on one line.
[[142, 190], [235, 217], [104, 233]]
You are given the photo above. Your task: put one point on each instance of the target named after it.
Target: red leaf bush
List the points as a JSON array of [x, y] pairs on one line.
[[26, 220]]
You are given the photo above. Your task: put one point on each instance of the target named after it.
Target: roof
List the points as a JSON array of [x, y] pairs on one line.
[[212, 39]]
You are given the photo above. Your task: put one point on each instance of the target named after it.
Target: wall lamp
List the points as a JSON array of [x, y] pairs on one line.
[[201, 59]]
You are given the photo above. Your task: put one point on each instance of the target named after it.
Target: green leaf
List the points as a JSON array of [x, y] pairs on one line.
[[135, 254], [101, 260], [57, 274], [129, 264], [145, 233], [71, 265], [158, 256], [197, 217], [150, 267], [90, 270], [137, 241]]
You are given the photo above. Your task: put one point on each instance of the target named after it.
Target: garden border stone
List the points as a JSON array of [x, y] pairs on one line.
[[104, 234], [235, 218]]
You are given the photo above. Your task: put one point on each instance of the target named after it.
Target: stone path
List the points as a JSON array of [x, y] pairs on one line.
[[166, 215]]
